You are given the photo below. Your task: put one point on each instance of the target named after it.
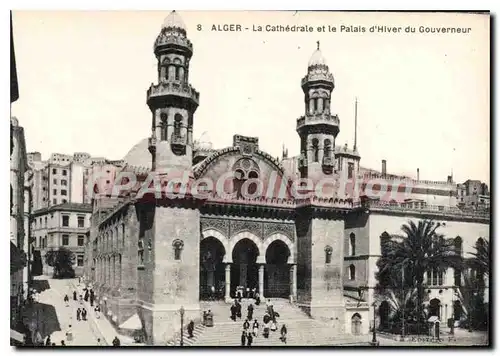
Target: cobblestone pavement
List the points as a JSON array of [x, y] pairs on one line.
[[64, 316]]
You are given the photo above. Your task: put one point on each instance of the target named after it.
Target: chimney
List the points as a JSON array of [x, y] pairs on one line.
[[384, 167], [418, 174]]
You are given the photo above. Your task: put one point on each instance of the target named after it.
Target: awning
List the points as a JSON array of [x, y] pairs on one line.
[[132, 323], [16, 336]]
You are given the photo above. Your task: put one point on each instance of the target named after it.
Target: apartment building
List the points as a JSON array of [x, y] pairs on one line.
[[62, 225]]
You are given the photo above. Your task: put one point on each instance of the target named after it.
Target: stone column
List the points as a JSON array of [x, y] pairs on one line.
[[446, 313], [261, 281], [228, 282], [293, 283]]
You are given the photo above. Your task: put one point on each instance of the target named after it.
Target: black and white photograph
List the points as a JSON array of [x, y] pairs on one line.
[[250, 179]]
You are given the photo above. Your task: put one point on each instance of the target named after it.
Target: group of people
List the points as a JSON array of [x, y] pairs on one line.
[[241, 293]]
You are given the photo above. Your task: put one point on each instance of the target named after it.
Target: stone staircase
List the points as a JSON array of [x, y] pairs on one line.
[[302, 330]]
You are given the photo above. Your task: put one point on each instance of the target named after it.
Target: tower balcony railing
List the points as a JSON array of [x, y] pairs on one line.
[[328, 161], [165, 39], [318, 118], [173, 88], [318, 76], [178, 140]]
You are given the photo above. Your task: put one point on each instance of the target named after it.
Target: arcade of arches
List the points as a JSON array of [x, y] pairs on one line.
[[268, 268]]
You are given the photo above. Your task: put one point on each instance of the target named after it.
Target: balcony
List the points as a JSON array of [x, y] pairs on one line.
[[328, 162], [173, 88], [318, 76], [178, 143], [325, 119], [166, 40]]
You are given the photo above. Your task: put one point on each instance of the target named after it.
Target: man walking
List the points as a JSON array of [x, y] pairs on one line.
[[78, 312], [250, 311], [243, 338]]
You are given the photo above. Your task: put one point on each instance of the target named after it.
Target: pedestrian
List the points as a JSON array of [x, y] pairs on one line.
[[243, 338], [233, 311], [63, 343], [92, 297], [78, 313], [48, 342], [212, 292], [273, 326], [249, 339], [99, 342], [250, 311], [84, 314], [97, 312], [66, 300], [74, 295], [190, 329], [246, 325], [283, 333], [238, 309], [266, 330], [257, 298], [255, 327], [116, 341], [87, 294], [81, 299]]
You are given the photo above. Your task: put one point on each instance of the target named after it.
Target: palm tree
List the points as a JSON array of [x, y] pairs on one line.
[[481, 258], [419, 250]]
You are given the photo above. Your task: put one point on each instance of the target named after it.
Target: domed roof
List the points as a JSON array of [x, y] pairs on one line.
[[174, 20], [317, 58], [139, 155]]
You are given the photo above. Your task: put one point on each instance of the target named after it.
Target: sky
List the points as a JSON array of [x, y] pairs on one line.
[[423, 99]]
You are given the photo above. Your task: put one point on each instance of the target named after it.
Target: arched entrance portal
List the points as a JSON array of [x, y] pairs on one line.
[[277, 272], [434, 308], [211, 269], [245, 271], [356, 324]]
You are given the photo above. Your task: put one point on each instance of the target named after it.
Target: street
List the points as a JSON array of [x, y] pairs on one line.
[[52, 317]]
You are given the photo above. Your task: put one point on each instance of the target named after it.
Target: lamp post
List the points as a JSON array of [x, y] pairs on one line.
[[374, 338], [452, 326], [181, 311]]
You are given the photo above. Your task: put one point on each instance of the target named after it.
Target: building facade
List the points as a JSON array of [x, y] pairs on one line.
[[149, 256], [64, 225]]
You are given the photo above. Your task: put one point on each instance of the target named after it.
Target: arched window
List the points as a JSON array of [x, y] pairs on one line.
[[328, 254], [328, 148], [458, 245], [171, 72], [178, 246], [352, 272], [177, 125], [177, 72], [163, 123], [352, 244], [123, 234], [315, 147], [356, 324]]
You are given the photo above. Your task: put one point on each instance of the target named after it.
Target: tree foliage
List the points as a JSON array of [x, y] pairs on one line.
[[62, 260], [406, 259]]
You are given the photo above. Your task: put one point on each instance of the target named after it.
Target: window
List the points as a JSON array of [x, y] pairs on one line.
[[65, 172], [65, 220], [45, 221], [457, 276], [352, 244], [177, 125], [81, 240], [65, 240], [54, 181], [79, 260], [81, 221], [435, 277], [64, 192], [54, 171], [178, 246], [54, 201], [328, 254], [64, 182], [352, 272], [315, 148], [350, 170], [54, 191]]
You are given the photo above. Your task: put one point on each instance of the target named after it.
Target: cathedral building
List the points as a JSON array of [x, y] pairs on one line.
[[150, 255]]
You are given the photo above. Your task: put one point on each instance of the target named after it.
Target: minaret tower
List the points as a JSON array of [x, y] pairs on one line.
[[318, 128], [168, 279], [172, 101]]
